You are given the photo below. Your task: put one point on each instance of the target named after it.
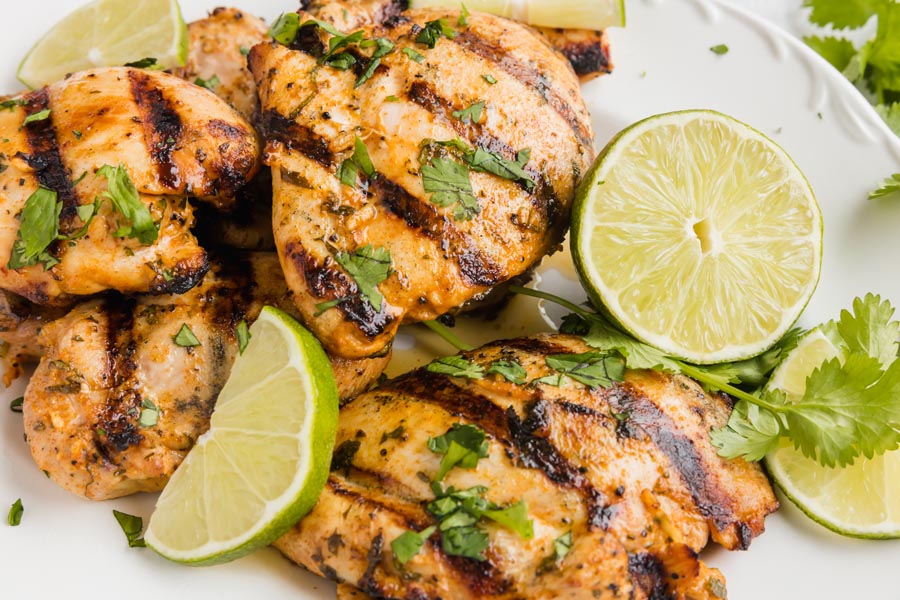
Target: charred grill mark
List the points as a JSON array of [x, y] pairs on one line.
[[645, 418], [543, 197], [186, 274], [162, 125], [413, 519], [461, 402], [475, 268], [536, 451], [327, 283], [234, 163], [45, 158], [527, 76], [588, 57], [368, 582], [116, 428], [649, 575], [287, 132]]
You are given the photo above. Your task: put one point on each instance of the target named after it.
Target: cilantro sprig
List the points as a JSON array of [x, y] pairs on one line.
[[874, 67], [851, 406], [889, 187]]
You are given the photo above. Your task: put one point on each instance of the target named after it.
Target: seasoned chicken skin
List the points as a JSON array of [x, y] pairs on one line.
[[175, 140], [441, 254], [586, 50], [110, 359], [628, 470], [217, 56]]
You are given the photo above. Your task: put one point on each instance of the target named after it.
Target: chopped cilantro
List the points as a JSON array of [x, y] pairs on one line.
[[719, 49], [593, 369], [382, 47], [14, 516], [509, 370], [38, 229], [456, 366], [342, 459], [149, 414], [461, 446], [409, 543], [448, 183], [348, 171], [185, 337], [464, 14], [125, 199], [146, 63], [368, 267], [413, 55], [132, 527], [211, 83], [433, 31], [16, 404], [471, 114], [38, 116], [242, 332], [489, 78]]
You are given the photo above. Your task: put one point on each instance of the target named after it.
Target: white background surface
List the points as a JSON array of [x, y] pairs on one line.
[[71, 548]]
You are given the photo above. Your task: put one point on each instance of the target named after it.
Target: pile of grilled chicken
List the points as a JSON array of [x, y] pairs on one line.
[[446, 149]]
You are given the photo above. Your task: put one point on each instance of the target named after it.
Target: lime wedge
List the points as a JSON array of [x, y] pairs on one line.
[[107, 33], [698, 235], [860, 500], [265, 459], [568, 14]]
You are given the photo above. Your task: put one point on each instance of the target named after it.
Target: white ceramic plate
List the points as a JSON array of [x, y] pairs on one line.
[[71, 548]]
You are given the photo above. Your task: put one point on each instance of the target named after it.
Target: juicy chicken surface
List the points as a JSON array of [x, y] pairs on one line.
[[216, 54], [311, 115], [586, 50], [628, 469], [175, 139], [108, 358]]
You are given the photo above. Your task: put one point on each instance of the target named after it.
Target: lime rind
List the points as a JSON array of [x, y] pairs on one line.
[[652, 318], [854, 501], [107, 33], [267, 510]]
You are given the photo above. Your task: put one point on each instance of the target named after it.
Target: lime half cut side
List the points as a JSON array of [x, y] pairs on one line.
[[698, 235], [571, 14], [265, 459], [107, 33], [859, 500]]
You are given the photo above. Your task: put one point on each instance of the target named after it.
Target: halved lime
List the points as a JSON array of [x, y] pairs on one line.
[[265, 459], [860, 500], [574, 14], [107, 33], [698, 235]]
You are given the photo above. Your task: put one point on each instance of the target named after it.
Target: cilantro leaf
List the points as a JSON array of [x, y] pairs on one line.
[[12, 103], [146, 63], [719, 49], [514, 517], [342, 459], [471, 114], [842, 14], [470, 542], [368, 267], [413, 55], [149, 414], [464, 14], [14, 516], [433, 31], [456, 366], [211, 83], [462, 445], [562, 545], [448, 183], [132, 527], [751, 432], [383, 46], [242, 332], [593, 369], [41, 115], [489, 162], [409, 543], [185, 337], [349, 169], [489, 78], [890, 113], [838, 51], [38, 228], [284, 29], [869, 330], [638, 355], [889, 186], [126, 201], [509, 370], [85, 212]]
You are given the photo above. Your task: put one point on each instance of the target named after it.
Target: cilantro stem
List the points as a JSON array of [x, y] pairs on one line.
[[449, 337], [578, 310], [698, 374]]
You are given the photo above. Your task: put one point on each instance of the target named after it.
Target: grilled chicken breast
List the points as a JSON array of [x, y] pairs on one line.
[[587, 51], [217, 56], [111, 359], [628, 470], [441, 254], [175, 140]]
